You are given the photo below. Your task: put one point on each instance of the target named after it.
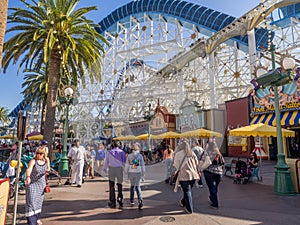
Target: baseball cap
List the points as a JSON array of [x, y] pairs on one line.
[[44, 142]]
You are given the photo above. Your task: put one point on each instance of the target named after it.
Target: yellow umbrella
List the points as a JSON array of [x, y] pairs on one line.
[[36, 137], [9, 136], [145, 136], [201, 133], [123, 138], [169, 134], [260, 130]]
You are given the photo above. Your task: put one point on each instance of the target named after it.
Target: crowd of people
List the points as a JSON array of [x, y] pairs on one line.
[[113, 160], [116, 160]]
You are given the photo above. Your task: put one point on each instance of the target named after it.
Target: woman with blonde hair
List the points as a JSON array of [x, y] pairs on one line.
[[186, 162], [35, 185]]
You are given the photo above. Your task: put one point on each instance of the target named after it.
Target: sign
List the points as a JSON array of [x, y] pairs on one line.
[[238, 141], [288, 94], [22, 126]]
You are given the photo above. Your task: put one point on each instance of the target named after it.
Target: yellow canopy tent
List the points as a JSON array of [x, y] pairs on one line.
[[145, 136], [169, 134], [36, 137], [125, 138], [201, 133], [8, 136], [260, 130]]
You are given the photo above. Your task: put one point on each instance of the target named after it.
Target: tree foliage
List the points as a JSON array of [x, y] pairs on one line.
[[53, 33]]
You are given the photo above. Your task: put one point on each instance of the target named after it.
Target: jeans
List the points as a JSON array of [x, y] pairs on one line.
[[168, 163], [98, 166], [212, 181], [135, 179], [187, 200], [113, 174], [32, 220]]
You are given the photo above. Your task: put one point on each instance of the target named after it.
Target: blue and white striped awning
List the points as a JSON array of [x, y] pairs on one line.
[[290, 118]]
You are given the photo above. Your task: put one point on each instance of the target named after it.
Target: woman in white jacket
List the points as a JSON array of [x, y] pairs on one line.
[[187, 164], [135, 167]]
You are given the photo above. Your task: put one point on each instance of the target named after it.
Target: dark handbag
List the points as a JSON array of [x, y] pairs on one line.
[[47, 189], [174, 177]]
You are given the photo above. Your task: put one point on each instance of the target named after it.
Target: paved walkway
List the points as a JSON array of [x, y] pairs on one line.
[[252, 203]]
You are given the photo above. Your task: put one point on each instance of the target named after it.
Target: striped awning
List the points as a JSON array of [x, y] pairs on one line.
[[287, 118]]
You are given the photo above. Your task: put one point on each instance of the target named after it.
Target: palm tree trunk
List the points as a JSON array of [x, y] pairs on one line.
[[54, 74], [3, 18], [43, 118]]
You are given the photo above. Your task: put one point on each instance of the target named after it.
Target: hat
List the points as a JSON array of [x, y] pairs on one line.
[[138, 144], [44, 142]]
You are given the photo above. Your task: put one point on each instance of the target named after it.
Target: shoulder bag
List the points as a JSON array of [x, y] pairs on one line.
[[175, 175], [206, 163]]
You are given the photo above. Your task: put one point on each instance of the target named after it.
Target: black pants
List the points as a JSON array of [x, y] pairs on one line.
[[113, 174], [212, 181]]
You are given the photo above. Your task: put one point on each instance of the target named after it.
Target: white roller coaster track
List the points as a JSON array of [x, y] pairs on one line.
[[154, 59]]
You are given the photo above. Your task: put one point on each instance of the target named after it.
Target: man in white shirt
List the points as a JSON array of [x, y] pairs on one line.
[[76, 158]]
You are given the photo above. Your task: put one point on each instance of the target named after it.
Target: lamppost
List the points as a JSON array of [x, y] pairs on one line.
[[149, 115], [277, 77], [67, 98]]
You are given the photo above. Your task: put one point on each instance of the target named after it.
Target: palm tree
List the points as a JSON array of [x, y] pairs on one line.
[[53, 33], [3, 114], [36, 88], [3, 18]]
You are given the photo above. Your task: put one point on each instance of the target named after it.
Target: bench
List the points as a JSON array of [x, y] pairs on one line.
[[228, 167]]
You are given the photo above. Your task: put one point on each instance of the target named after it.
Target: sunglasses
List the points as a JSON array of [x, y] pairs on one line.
[[39, 153]]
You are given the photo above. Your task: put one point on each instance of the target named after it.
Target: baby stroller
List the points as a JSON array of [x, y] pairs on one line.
[[241, 172]]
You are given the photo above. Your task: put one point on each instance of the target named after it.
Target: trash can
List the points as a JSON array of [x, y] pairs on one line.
[[294, 165]]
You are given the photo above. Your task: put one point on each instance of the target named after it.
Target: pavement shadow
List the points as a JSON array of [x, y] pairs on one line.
[[252, 202], [249, 202], [155, 205]]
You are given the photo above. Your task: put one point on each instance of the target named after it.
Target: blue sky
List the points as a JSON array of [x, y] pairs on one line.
[[10, 82]]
